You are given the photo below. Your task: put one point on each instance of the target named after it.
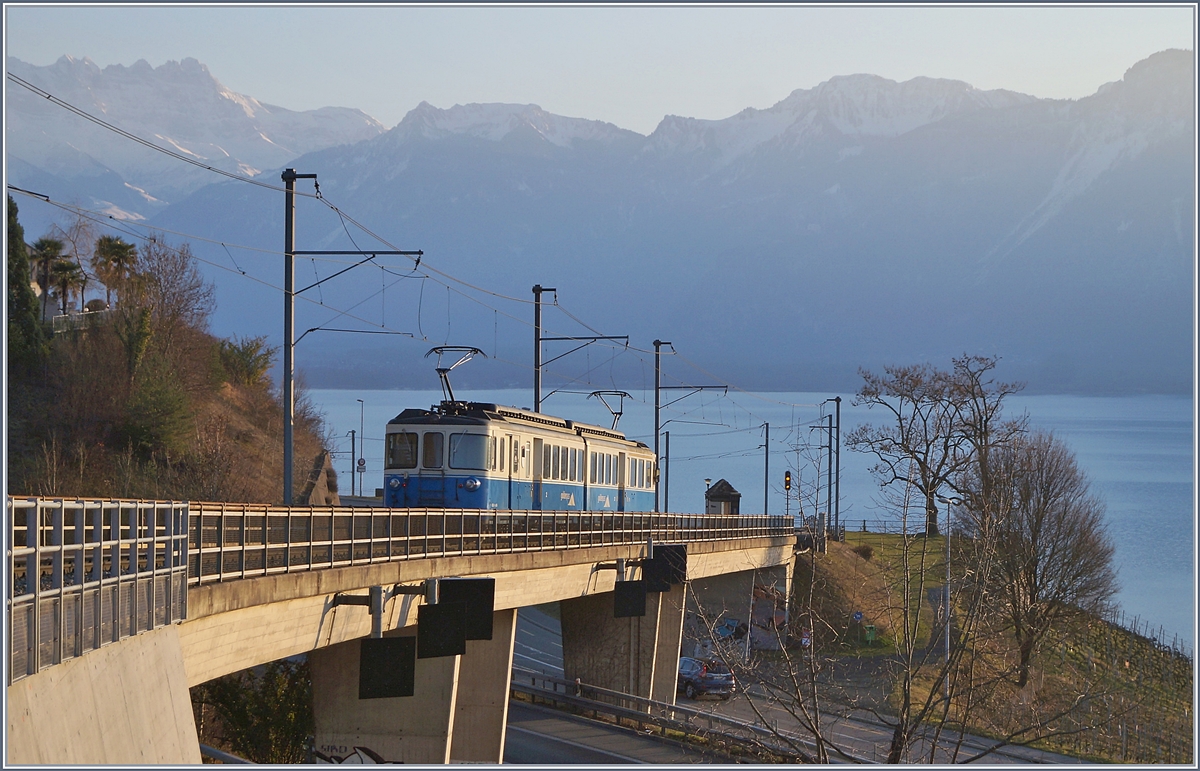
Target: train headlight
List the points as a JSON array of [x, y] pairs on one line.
[[471, 484], [394, 482]]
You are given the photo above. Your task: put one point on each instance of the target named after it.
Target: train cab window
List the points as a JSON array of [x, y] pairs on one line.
[[431, 450], [468, 451], [492, 458], [402, 450]]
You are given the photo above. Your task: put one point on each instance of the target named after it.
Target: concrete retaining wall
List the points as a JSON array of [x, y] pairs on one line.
[[124, 704]]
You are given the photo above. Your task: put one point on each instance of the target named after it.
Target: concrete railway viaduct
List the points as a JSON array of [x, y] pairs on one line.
[[116, 608]]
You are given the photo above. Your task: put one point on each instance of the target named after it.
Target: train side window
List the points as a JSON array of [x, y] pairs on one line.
[[545, 461], [608, 469], [503, 453], [592, 467], [516, 451], [492, 458], [574, 465], [402, 450], [565, 454], [431, 451], [554, 466]]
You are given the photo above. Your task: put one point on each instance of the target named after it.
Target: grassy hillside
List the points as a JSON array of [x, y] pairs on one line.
[[142, 402], [1118, 695]]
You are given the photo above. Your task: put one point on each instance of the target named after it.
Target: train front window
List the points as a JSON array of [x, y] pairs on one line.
[[402, 450], [431, 451], [468, 451]]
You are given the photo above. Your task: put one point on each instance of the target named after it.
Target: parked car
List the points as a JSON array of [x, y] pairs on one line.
[[698, 677]]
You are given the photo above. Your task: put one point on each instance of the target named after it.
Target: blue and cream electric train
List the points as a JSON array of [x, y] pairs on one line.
[[474, 455]]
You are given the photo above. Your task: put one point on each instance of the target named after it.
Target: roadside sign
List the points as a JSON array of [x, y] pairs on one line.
[[362, 463], [858, 615]]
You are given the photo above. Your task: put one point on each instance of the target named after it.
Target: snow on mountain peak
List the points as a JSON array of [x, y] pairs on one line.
[[852, 105], [180, 104], [495, 121], [870, 105]]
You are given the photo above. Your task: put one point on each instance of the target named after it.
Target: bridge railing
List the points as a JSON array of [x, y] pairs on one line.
[[233, 541], [87, 573]]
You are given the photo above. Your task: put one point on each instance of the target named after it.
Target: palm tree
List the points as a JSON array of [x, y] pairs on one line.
[[68, 277], [46, 251], [113, 262]]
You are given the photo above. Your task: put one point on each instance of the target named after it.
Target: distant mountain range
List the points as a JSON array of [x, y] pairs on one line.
[[855, 224]]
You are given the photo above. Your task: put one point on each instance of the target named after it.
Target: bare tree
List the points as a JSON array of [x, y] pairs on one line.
[[78, 237], [1053, 553], [168, 283], [922, 443]]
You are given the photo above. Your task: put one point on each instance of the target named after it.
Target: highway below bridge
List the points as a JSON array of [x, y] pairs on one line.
[[117, 608], [539, 648]]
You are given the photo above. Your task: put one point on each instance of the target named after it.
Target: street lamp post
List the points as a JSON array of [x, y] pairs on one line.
[[352, 454], [948, 502]]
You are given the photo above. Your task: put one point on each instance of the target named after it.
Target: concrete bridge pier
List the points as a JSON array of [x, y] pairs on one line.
[[638, 655], [457, 712], [755, 598], [481, 706]]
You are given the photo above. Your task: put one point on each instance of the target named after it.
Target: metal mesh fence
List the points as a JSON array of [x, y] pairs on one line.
[[87, 573]]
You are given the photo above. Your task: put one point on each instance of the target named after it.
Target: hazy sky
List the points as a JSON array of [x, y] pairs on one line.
[[629, 65]]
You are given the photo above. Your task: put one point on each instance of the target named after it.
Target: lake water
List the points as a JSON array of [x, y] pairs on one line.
[[1137, 452]]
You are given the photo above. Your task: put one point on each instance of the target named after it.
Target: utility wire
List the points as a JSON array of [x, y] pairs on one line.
[[135, 138], [218, 266], [342, 216]]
